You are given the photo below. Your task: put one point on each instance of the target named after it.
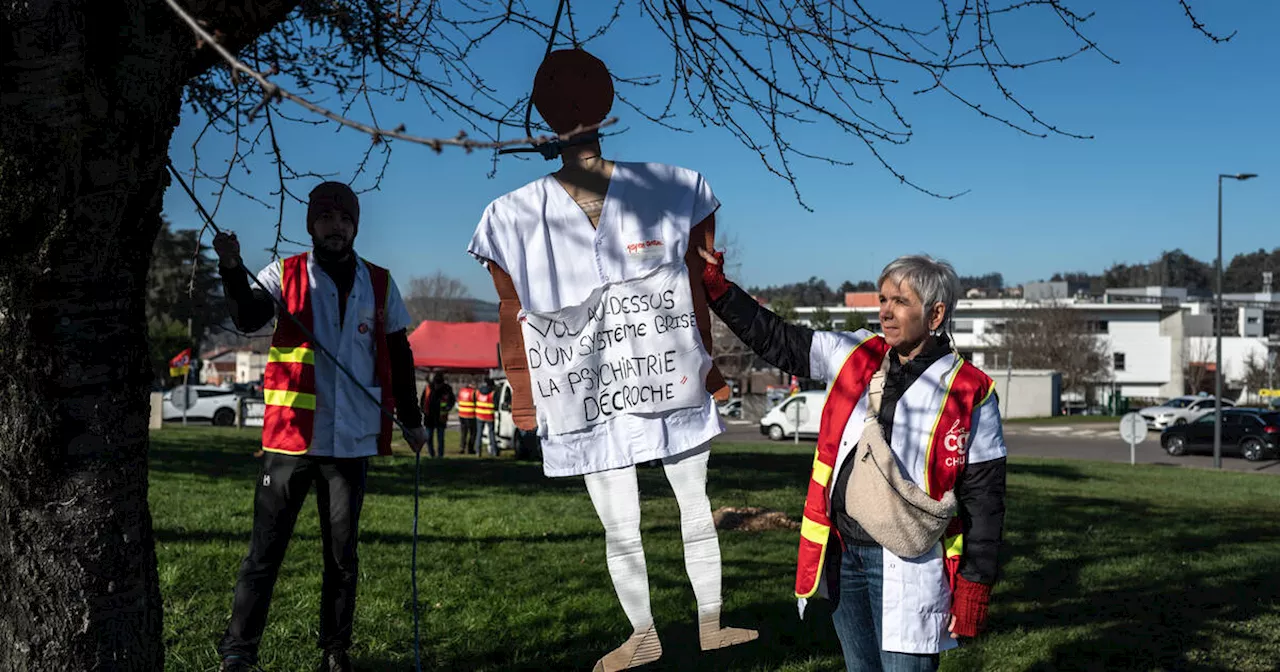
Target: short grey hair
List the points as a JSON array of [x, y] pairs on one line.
[[933, 279]]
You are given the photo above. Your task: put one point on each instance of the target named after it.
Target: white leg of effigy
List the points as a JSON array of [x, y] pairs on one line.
[[687, 473], [616, 497]]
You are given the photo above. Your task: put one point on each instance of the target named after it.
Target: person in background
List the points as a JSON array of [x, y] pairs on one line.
[[437, 401], [319, 426], [467, 418], [485, 417]]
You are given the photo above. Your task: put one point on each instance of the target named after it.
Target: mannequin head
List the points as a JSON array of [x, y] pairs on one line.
[[572, 88]]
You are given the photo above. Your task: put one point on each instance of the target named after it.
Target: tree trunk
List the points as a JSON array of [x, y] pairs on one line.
[[92, 90]]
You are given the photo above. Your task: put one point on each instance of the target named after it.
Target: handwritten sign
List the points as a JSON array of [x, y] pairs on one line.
[[631, 347]]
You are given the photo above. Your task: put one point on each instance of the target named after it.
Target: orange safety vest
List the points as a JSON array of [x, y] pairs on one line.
[[967, 389], [289, 380], [484, 407], [467, 402]]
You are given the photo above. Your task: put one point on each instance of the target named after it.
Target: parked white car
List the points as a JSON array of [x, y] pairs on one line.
[[731, 408], [799, 412], [207, 402], [1179, 411]]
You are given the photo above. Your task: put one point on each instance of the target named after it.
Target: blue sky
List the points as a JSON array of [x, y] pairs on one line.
[[1177, 111]]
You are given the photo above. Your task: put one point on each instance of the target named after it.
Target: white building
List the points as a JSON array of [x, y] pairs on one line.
[[227, 365], [250, 366], [1155, 335]]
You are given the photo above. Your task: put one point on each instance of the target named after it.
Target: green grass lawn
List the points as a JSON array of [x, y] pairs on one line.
[[1109, 567]]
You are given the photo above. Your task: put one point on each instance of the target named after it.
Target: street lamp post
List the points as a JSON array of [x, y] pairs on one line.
[[1217, 370]]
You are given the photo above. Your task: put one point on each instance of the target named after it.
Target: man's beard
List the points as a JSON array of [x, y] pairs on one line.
[[331, 249]]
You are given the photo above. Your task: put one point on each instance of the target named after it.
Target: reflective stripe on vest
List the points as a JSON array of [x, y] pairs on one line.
[[967, 387], [467, 402], [484, 407]]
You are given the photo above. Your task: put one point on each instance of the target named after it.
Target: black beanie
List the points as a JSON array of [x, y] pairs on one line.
[[333, 196]]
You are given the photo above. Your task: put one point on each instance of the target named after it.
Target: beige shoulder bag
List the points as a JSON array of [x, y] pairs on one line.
[[896, 512]]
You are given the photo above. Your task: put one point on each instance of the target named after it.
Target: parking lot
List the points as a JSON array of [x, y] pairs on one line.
[[1077, 442]]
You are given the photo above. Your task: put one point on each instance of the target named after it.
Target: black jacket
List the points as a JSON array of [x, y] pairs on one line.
[[436, 404], [980, 488]]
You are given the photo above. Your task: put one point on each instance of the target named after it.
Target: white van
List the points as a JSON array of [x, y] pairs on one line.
[[802, 411], [503, 426]]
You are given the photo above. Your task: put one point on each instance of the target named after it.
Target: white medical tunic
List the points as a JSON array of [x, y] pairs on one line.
[[347, 421], [539, 236]]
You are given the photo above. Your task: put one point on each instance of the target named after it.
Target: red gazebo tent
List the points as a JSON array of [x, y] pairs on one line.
[[455, 346]]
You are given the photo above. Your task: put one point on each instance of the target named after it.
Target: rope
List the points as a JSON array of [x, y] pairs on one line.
[[551, 41], [417, 462]]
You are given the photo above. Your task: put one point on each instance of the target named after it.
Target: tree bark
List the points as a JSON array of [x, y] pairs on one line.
[[92, 92]]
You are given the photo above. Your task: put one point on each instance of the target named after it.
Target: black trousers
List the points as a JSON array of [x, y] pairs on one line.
[[282, 488], [468, 427]]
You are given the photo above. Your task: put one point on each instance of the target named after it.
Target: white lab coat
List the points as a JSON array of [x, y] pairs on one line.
[[540, 237]]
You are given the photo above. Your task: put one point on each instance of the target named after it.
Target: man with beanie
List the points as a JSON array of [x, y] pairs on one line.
[[320, 427]]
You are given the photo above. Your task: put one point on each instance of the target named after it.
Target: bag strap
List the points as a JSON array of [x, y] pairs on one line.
[[875, 391]]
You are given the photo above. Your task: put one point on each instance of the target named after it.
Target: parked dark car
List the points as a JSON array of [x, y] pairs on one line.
[[1252, 433]]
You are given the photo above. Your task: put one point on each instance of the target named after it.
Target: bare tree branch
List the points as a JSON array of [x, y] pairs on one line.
[[1056, 337], [760, 70], [272, 92], [439, 298], [1204, 30]]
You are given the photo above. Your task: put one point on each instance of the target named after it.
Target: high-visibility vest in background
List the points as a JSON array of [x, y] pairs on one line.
[[484, 407], [467, 403], [289, 379]]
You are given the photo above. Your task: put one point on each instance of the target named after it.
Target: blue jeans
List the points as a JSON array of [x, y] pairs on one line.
[[857, 593], [435, 438], [483, 429]]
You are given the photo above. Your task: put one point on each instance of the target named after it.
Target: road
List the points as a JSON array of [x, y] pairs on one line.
[[1076, 442]]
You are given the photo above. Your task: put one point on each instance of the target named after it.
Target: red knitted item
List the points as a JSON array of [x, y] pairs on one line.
[[713, 278], [969, 605]]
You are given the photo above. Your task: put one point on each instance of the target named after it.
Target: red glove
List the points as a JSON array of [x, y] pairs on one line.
[[969, 605], [713, 277]]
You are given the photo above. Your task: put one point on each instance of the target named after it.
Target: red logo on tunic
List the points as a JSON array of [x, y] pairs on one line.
[[363, 328], [636, 248]]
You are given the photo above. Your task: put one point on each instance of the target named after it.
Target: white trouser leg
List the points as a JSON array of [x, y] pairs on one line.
[[616, 497], [687, 473]]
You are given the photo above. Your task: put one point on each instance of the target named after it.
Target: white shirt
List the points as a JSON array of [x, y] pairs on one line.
[[347, 422], [539, 236]]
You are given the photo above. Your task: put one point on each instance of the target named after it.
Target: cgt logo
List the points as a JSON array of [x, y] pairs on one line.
[[956, 440], [645, 247]]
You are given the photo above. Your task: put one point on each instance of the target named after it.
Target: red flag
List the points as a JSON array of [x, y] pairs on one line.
[[181, 363]]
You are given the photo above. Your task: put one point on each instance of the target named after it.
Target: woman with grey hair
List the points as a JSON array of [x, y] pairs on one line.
[[908, 572]]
